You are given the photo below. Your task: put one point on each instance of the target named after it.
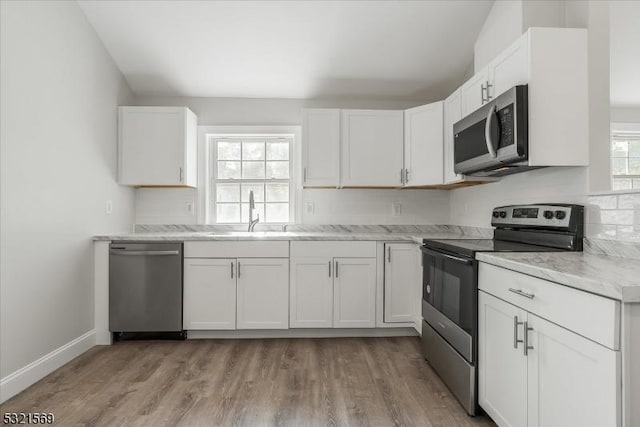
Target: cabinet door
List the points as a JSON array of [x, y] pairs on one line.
[[473, 92], [502, 376], [263, 293], [209, 294], [423, 145], [372, 144], [572, 381], [321, 147], [354, 289], [452, 113], [152, 145], [311, 301], [509, 69], [400, 282]]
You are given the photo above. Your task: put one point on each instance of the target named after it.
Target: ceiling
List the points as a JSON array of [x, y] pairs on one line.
[[405, 50], [624, 24]]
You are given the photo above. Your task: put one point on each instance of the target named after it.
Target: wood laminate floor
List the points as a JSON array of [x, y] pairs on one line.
[[258, 382]]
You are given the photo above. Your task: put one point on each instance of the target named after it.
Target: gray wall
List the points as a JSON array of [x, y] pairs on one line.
[[59, 90]]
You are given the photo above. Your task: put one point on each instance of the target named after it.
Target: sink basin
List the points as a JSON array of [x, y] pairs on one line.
[[249, 234]]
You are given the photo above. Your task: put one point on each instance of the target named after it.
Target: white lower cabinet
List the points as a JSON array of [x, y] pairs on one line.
[[209, 300], [572, 381], [534, 372], [354, 294], [401, 282], [333, 284], [311, 293], [502, 377], [263, 290]]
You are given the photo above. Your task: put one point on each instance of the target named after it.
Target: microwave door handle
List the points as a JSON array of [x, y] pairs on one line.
[[487, 132]]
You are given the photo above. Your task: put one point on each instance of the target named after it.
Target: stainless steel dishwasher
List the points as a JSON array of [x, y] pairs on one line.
[[145, 288]]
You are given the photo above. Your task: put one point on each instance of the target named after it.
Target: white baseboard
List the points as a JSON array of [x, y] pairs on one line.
[[304, 333], [19, 380]]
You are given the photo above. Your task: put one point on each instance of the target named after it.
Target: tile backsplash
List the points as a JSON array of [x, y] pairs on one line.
[[613, 217]]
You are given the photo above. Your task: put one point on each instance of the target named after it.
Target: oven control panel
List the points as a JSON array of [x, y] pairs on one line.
[[544, 215]]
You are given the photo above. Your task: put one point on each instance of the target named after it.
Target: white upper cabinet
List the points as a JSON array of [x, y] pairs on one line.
[[321, 147], [372, 148], [452, 113], [473, 93], [423, 132], [509, 69], [157, 146]]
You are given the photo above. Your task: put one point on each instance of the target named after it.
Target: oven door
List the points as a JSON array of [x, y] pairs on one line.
[[449, 298]]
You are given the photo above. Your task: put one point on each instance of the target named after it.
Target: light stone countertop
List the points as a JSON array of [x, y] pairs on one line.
[[415, 237], [607, 276]]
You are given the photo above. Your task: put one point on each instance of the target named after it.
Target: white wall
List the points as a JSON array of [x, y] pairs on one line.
[[472, 206], [59, 91], [508, 20], [168, 206], [625, 115]]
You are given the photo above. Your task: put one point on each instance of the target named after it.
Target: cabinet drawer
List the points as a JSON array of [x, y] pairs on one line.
[[235, 249], [591, 316], [347, 249]]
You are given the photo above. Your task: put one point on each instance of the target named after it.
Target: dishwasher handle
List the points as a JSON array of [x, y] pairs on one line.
[[143, 253]]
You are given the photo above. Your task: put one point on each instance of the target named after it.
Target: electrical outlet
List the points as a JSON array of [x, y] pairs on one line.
[[108, 207], [189, 207], [308, 208], [396, 209]]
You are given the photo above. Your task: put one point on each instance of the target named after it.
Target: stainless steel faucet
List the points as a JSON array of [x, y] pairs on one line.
[[252, 206]]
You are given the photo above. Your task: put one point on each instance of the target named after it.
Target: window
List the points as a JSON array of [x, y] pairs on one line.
[[258, 163], [625, 160]]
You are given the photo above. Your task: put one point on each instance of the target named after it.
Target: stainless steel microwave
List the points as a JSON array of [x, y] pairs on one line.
[[494, 139]]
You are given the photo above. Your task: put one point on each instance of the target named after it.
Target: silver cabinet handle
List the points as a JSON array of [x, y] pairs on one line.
[[329, 268], [238, 269], [180, 174], [304, 175], [515, 332], [406, 176], [389, 254], [482, 89], [336, 269], [527, 347], [401, 176], [522, 293], [489, 97], [487, 132], [232, 269], [144, 253]]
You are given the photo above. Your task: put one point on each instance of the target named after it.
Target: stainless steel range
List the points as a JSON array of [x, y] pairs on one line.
[[450, 285]]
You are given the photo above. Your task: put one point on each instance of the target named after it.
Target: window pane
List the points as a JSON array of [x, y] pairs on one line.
[[278, 170], [228, 150], [621, 184], [278, 212], [618, 166], [228, 212], [228, 170], [253, 151], [253, 170], [228, 192], [259, 210], [634, 166], [258, 192], [634, 148], [277, 151], [619, 148], [277, 192]]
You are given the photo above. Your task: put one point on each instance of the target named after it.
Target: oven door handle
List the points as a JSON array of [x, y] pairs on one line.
[[447, 256]]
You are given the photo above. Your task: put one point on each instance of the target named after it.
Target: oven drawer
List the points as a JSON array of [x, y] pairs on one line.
[[591, 316]]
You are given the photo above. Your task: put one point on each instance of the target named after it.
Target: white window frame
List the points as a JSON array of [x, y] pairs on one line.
[[207, 167], [623, 131]]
